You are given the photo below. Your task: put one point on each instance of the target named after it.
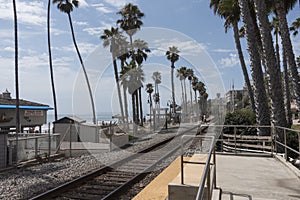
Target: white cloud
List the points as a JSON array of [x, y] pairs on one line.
[[29, 12], [102, 8], [81, 23], [231, 61], [83, 3], [119, 3], [224, 50], [98, 30]]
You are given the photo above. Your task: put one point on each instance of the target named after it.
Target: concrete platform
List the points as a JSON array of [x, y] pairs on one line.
[[251, 178], [158, 188]]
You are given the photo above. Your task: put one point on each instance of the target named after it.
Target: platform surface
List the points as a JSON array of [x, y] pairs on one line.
[[251, 178]]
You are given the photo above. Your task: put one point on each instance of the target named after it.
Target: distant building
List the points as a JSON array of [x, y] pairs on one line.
[[234, 99], [31, 114]]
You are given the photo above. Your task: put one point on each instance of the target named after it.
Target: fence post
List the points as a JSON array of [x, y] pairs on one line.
[[36, 146], [272, 138], [215, 169], [49, 142], [285, 149], [208, 182], [234, 139], [299, 142]]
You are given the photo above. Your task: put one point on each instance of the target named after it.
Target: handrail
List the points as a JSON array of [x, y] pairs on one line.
[[207, 169]]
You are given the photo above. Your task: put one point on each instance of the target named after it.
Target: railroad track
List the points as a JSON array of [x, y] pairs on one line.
[[111, 181]]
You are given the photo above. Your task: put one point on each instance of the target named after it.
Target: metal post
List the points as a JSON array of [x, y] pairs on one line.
[[299, 142], [272, 137], [235, 139], [208, 182], [215, 168], [49, 142], [36, 146], [70, 132], [182, 177], [285, 149]]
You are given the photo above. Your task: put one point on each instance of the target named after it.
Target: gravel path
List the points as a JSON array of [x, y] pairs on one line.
[[24, 183]]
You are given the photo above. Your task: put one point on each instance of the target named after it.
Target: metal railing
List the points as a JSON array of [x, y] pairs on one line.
[[209, 174], [31, 146], [238, 145]]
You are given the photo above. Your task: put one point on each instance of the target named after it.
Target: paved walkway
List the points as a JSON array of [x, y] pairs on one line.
[[251, 178]]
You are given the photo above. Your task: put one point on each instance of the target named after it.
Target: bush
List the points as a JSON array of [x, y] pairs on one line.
[[241, 117]]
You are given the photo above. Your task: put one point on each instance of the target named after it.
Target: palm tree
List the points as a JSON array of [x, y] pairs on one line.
[[149, 90], [131, 20], [156, 76], [230, 11], [262, 108], [200, 88], [281, 9], [276, 28], [110, 38], [182, 74], [190, 76], [130, 23], [50, 61], [16, 77], [66, 6], [133, 76], [172, 56], [123, 54], [273, 69], [295, 27], [140, 54]]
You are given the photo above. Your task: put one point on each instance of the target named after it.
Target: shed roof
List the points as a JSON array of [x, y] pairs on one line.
[[23, 104], [69, 119]]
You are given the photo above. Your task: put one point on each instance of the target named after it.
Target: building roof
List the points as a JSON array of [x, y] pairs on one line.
[[69, 119], [23, 104]]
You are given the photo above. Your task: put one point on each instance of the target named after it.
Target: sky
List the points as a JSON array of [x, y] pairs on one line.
[[189, 25]]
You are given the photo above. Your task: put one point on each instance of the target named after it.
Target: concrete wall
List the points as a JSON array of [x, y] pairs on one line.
[[3, 149]]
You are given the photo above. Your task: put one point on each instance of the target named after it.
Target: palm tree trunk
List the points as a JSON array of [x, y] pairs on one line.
[[288, 48], [50, 61], [118, 86], [262, 108], [141, 106], [191, 95], [272, 68], [125, 98], [289, 116], [173, 90], [16, 78], [137, 107], [185, 99], [133, 113], [243, 65], [83, 68]]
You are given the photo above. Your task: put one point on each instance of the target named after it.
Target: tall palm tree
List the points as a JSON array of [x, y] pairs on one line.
[[66, 6], [276, 28], [273, 69], [16, 77], [190, 76], [110, 38], [281, 9], [230, 11], [262, 108], [140, 50], [156, 76], [182, 74], [173, 56], [200, 88], [50, 61], [149, 90], [130, 23]]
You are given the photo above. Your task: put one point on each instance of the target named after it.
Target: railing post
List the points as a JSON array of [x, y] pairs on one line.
[[222, 139], [299, 142], [36, 146], [208, 183], [215, 168], [272, 138], [285, 149], [49, 142], [182, 177], [234, 139]]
